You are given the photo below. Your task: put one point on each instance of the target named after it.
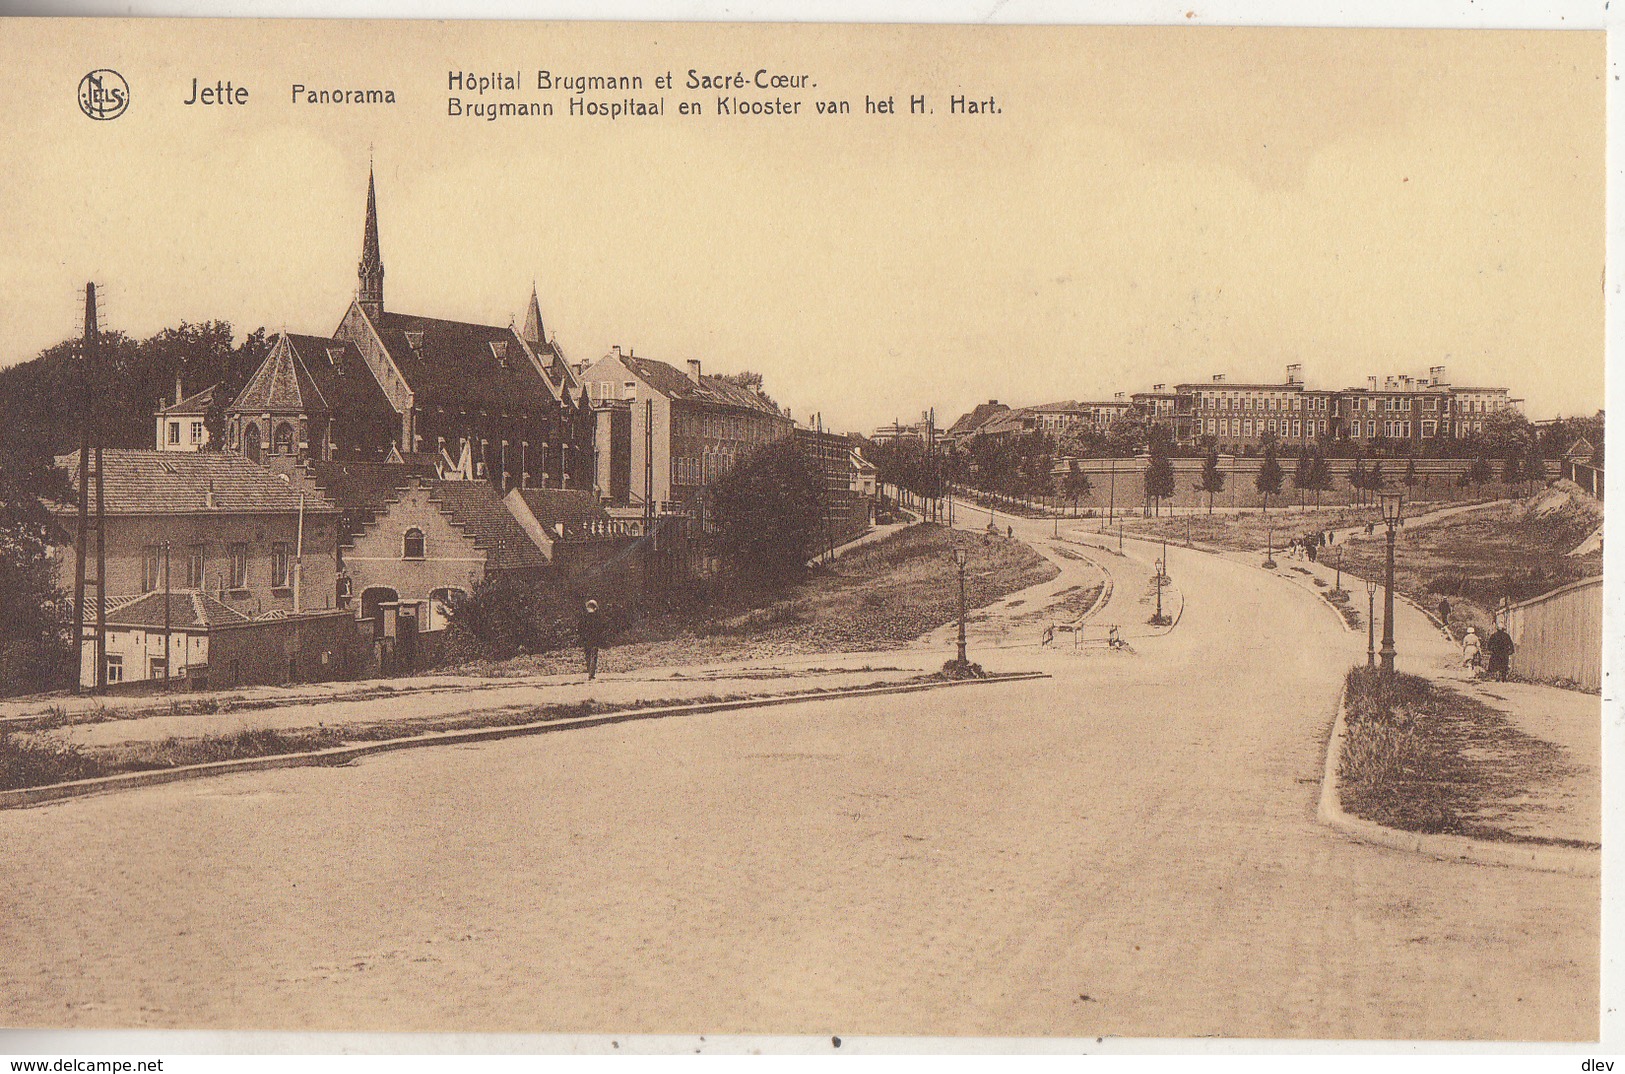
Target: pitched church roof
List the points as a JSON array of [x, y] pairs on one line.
[[462, 364], [281, 385], [341, 375]]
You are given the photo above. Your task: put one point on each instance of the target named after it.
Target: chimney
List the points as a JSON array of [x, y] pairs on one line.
[[1294, 373], [617, 350], [581, 367], [1118, 395], [694, 370], [1436, 374], [1158, 387], [1370, 384], [1218, 378]]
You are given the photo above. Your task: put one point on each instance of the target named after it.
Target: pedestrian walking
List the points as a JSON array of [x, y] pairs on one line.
[[1472, 649], [590, 631], [1444, 611], [1500, 648], [1009, 531], [1312, 552]]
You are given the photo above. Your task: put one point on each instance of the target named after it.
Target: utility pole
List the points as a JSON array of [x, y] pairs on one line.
[[90, 459], [164, 547]]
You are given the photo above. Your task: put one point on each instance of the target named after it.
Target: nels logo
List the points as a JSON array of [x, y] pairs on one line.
[[103, 94]]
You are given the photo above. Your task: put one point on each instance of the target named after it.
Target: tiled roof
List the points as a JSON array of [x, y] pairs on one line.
[[195, 405], [454, 364], [570, 507], [346, 383], [978, 416], [180, 482], [672, 382], [188, 608], [361, 489], [281, 385], [477, 508]]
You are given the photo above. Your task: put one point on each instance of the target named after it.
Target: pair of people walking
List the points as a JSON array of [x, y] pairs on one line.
[[1497, 648]]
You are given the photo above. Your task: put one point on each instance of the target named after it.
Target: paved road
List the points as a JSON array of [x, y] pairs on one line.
[[1128, 848]]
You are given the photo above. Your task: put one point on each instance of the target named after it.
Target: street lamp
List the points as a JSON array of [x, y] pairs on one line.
[[1370, 622], [1339, 586], [1392, 515], [959, 561], [1269, 556]]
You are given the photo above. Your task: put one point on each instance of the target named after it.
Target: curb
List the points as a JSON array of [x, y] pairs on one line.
[[53, 792], [1570, 861]]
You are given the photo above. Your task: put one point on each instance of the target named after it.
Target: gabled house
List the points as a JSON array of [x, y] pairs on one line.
[[663, 435], [183, 424], [413, 544], [208, 521]]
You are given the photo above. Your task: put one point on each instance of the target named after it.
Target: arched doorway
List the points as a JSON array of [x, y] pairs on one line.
[[371, 598], [251, 443], [441, 604]]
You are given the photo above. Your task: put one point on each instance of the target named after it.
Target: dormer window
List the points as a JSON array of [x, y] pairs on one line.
[[499, 350], [335, 358], [414, 340]]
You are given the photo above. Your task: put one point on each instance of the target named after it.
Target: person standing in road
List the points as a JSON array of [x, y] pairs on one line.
[[1444, 611], [1472, 649], [590, 630], [1499, 646]]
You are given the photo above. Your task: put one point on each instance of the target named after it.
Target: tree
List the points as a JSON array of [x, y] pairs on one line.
[[1159, 476], [1374, 481], [1212, 478], [34, 652], [1479, 473], [1269, 476], [1320, 475], [1302, 474], [1512, 470], [1534, 466], [1077, 483], [748, 380], [769, 514], [1410, 478], [1359, 476]]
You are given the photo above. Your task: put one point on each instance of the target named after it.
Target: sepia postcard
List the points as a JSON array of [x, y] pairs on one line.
[[1075, 533]]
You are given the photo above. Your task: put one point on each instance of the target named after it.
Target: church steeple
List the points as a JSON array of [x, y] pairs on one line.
[[370, 272], [533, 333]]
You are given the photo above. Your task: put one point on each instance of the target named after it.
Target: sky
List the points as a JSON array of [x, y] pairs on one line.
[[1147, 204]]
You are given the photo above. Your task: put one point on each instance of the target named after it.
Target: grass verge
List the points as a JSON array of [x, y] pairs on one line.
[[879, 596], [1421, 757]]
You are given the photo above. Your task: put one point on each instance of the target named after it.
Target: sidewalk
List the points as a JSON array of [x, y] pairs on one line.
[[1559, 799], [756, 679]]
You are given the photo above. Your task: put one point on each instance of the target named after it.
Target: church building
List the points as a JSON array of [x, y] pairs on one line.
[[480, 401]]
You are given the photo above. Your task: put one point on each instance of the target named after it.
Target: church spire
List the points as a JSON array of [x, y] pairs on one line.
[[533, 321], [370, 272]]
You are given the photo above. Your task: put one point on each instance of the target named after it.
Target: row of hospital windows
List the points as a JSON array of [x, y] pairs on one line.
[[1392, 429]]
